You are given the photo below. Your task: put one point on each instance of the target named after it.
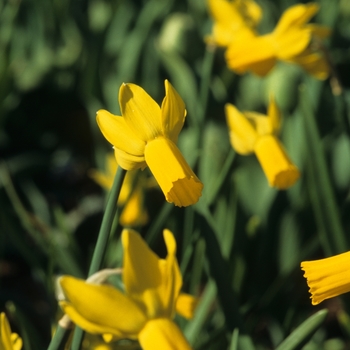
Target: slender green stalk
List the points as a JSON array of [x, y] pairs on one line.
[[59, 339], [97, 258]]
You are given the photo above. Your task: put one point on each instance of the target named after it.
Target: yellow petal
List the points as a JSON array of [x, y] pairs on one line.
[[134, 214], [110, 308], [17, 342], [162, 334], [5, 333], [327, 278], [89, 326], [257, 54], [173, 113], [171, 276], [178, 182], [274, 116], [295, 16], [118, 133], [186, 305], [242, 133], [261, 122], [141, 265], [128, 161], [142, 114], [278, 168]]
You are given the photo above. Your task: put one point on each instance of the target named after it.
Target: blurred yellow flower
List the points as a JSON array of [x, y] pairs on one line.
[[292, 40], [146, 309], [131, 194], [327, 278], [8, 340], [146, 135], [252, 132]]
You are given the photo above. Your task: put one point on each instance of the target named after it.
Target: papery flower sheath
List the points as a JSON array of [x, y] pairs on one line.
[[292, 40], [8, 340], [145, 309], [131, 194], [252, 132], [327, 278], [146, 135]]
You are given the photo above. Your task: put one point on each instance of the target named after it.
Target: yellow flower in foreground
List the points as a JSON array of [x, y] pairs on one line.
[[292, 40], [8, 340], [252, 132], [146, 309], [146, 135], [131, 194], [327, 278]]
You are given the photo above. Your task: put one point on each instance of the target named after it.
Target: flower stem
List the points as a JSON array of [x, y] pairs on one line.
[[97, 258]]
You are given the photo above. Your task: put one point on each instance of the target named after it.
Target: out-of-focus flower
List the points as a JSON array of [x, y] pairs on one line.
[[252, 132], [146, 310], [146, 135], [131, 194], [292, 40], [327, 278], [8, 340]]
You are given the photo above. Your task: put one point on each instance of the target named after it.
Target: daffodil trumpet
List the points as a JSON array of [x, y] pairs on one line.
[[146, 135], [327, 278]]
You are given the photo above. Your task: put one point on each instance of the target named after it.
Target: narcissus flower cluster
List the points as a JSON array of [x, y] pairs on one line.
[[293, 39], [146, 308], [146, 135], [327, 278], [252, 132]]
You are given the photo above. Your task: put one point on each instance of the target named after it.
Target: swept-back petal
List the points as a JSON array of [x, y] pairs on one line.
[[186, 305], [257, 54], [110, 307], [173, 112], [141, 264], [87, 325], [295, 16], [178, 182], [142, 114], [242, 133], [162, 334], [118, 133], [171, 276], [128, 161], [277, 166], [328, 277]]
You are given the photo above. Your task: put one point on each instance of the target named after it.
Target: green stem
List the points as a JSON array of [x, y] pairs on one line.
[[97, 258], [59, 339]]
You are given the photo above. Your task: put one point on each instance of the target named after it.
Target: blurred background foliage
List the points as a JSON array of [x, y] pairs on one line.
[[240, 248]]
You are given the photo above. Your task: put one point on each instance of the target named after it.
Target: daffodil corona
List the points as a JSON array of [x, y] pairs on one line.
[[292, 40], [8, 340], [252, 132], [146, 135], [146, 308], [327, 278]]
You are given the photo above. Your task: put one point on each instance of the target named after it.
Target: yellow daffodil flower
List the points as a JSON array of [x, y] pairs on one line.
[[8, 340], [131, 194], [292, 40], [145, 310], [252, 132], [327, 278], [146, 135]]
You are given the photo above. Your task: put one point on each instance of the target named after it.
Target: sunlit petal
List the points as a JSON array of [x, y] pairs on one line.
[[118, 133], [278, 168], [186, 305], [17, 342], [173, 113], [5, 333], [178, 182], [109, 308], [242, 133], [162, 334], [327, 278], [142, 114]]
